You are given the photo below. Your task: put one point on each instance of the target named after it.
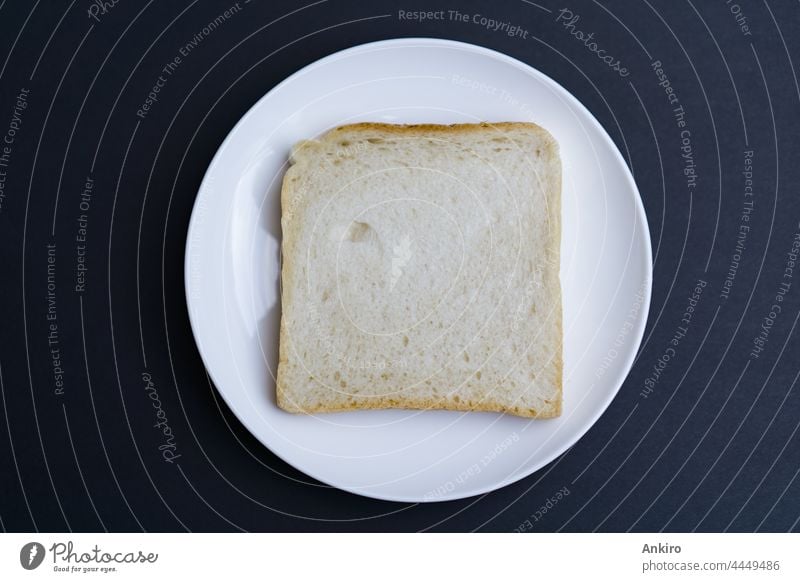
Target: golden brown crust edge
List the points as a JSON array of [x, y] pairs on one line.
[[383, 403], [413, 128], [288, 237], [556, 213]]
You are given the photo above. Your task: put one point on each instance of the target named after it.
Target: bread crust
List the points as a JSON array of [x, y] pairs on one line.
[[425, 128], [553, 408], [552, 411]]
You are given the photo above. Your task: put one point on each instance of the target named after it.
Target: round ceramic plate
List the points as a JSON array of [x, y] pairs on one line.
[[233, 268]]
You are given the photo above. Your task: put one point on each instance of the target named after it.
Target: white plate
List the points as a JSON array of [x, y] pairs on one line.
[[233, 253]]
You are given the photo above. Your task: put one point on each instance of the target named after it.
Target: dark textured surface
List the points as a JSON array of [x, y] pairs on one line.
[[714, 446]]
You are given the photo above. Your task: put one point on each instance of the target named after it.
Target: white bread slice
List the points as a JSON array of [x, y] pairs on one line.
[[421, 270]]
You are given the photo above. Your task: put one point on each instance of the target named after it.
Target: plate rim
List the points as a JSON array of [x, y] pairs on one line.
[[640, 213]]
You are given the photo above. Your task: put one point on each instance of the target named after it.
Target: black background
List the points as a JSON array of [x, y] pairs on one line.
[[714, 447]]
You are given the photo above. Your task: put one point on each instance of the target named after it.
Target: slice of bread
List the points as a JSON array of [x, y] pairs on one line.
[[421, 270]]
